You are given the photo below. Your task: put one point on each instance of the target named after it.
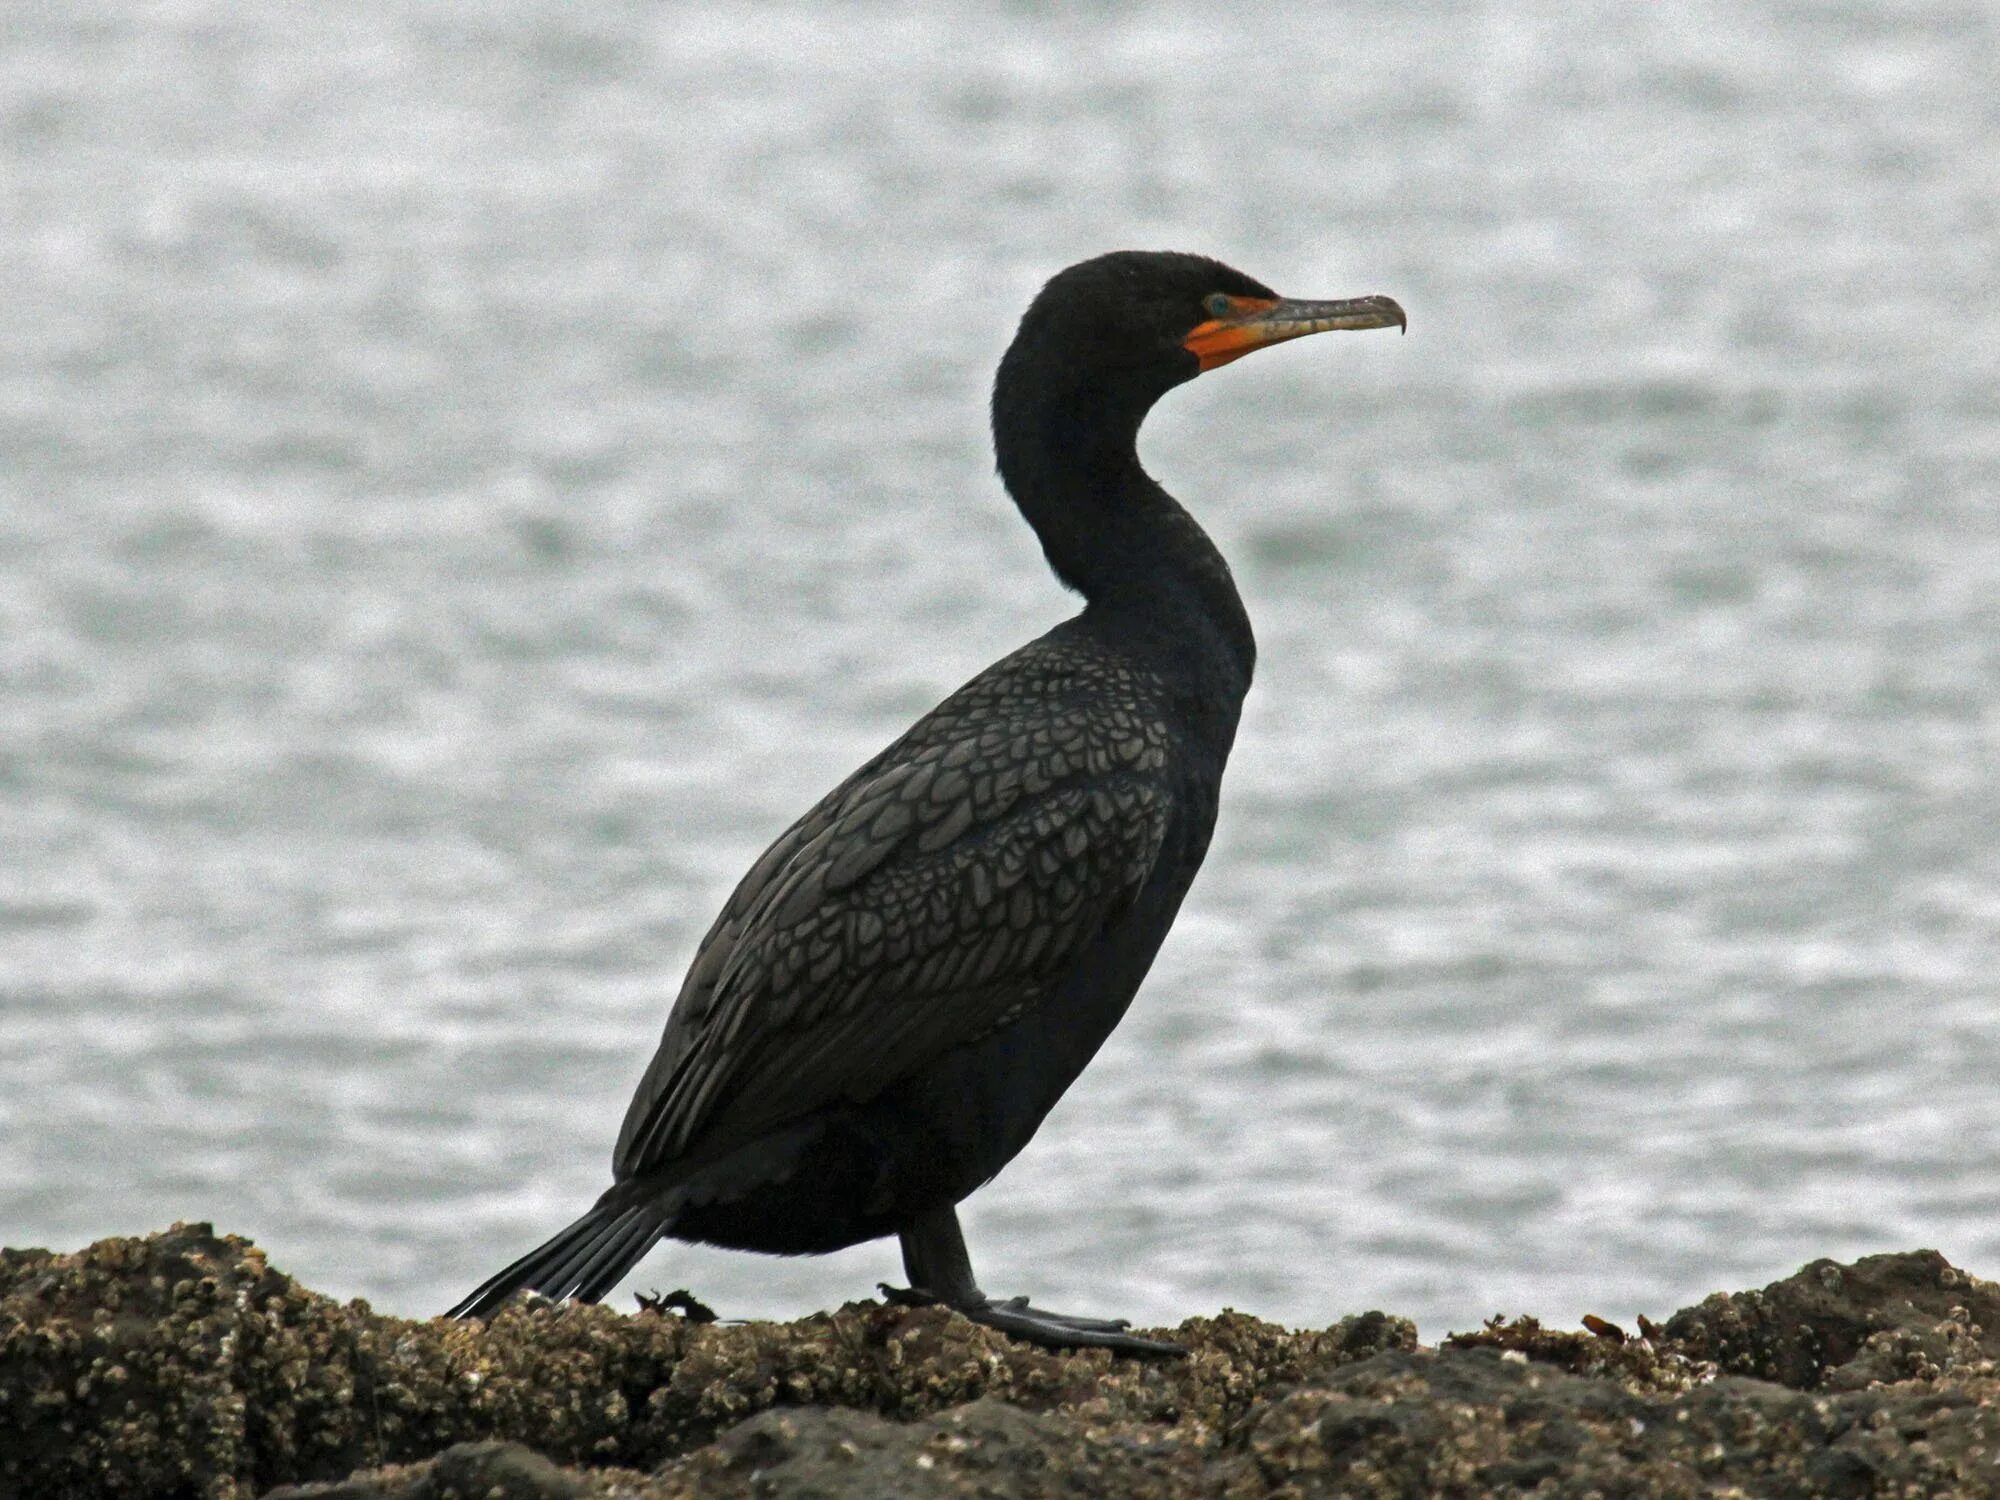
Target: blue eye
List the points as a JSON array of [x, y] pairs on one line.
[[1218, 305]]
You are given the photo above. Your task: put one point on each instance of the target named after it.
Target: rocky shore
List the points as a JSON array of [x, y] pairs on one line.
[[182, 1364]]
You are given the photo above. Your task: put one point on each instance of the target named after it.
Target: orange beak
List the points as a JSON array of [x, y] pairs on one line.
[[1257, 321]]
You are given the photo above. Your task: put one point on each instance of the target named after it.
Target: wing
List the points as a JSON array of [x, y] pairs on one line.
[[927, 900]]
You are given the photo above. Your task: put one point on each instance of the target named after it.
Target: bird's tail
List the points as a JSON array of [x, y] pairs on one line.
[[583, 1261]]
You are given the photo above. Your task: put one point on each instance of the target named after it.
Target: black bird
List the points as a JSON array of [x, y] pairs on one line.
[[910, 977]]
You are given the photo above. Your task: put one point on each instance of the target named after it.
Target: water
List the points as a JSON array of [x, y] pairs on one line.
[[470, 474]]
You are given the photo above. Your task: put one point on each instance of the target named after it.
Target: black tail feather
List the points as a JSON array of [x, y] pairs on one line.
[[614, 1257], [574, 1254], [584, 1261]]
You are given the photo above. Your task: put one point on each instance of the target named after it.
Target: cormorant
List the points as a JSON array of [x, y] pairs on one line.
[[910, 977]]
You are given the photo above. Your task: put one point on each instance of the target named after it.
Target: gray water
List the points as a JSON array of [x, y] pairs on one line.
[[470, 474]]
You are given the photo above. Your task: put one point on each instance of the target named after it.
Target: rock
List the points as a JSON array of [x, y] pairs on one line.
[[985, 1447], [1423, 1423], [181, 1364], [466, 1471], [1884, 1318]]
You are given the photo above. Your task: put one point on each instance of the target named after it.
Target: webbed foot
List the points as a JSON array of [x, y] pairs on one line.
[[1015, 1318]]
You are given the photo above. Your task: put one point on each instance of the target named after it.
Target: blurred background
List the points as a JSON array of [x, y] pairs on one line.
[[471, 474]]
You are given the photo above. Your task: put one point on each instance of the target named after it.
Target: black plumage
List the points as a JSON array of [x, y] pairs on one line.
[[905, 983]]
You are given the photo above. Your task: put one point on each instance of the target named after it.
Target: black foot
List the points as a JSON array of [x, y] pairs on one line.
[[1053, 1330]]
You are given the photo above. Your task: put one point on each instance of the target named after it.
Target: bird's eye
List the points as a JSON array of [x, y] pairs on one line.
[[1218, 304]]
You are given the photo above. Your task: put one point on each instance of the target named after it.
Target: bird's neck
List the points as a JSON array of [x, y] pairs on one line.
[[1149, 572]]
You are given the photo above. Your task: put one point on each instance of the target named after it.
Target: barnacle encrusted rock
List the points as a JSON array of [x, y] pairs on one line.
[[181, 1364], [1886, 1318]]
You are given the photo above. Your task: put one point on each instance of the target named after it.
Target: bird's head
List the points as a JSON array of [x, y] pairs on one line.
[[1142, 322], [1099, 345]]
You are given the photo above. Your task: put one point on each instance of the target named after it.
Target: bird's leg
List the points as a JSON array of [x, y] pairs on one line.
[[940, 1273], [934, 1259]]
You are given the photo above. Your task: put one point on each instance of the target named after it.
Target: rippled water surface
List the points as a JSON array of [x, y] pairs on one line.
[[469, 475]]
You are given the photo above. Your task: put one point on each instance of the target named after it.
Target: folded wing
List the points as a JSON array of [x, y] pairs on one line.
[[928, 900]]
